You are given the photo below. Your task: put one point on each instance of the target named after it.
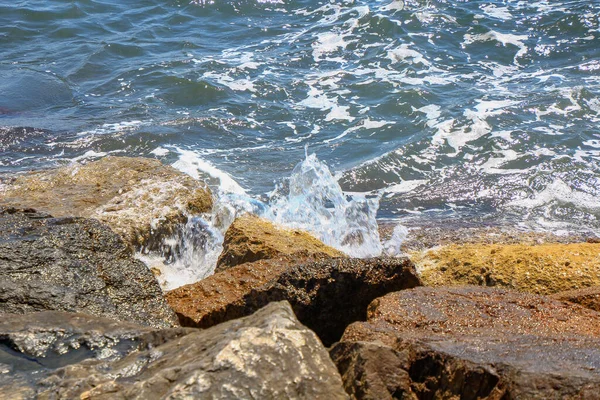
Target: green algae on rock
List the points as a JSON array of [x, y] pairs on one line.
[[139, 198]]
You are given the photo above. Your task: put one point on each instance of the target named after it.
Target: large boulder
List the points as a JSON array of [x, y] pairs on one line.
[[544, 269], [251, 238], [139, 198], [326, 295], [588, 297], [471, 343], [76, 265], [268, 355]]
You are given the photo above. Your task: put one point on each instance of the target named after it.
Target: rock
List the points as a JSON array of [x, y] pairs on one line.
[[77, 265], [543, 269], [139, 198], [325, 295], [250, 239], [268, 355], [588, 297], [471, 343]]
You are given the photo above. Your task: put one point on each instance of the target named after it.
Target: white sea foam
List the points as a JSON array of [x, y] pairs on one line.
[[405, 54], [497, 12], [504, 38], [561, 193], [190, 163]]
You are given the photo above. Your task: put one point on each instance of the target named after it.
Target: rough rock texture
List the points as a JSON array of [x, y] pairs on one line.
[[588, 297], [268, 355], [325, 295], [139, 198], [471, 342], [250, 239], [77, 265], [442, 232], [542, 269]]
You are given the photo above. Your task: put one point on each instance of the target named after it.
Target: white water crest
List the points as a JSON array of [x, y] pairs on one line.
[[311, 199]]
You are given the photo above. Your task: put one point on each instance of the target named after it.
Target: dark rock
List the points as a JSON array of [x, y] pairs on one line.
[[250, 238], [325, 295], [76, 265], [588, 297], [268, 355], [471, 343]]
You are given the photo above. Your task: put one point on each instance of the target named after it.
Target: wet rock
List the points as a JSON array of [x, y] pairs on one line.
[[250, 239], [543, 269], [77, 265], [325, 295], [471, 343], [268, 355], [139, 198], [588, 297]]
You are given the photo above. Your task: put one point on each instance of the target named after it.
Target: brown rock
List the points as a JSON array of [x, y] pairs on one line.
[[588, 297], [543, 269], [268, 355], [250, 239], [471, 343], [139, 198], [325, 295]]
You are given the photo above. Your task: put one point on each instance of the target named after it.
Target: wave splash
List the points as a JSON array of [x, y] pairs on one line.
[[311, 199]]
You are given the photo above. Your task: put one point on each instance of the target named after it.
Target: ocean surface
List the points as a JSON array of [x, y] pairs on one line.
[[483, 112]]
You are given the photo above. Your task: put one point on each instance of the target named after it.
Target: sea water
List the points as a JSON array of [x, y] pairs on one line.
[[413, 112]]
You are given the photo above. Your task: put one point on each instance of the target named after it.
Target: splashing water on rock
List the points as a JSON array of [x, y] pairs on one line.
[[311, 199]]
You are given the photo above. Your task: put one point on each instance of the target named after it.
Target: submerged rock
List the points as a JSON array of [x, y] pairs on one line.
[[268, 355], [139, 198], [325, 295], [77, 265], [543, 269], [250, 239], [588, 297], [471, 343]]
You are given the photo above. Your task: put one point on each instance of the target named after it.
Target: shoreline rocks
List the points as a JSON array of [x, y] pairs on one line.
[[588, 297], [250, 238], [471, 342], [389, 336], [77, 265], [139, 198], [268, 355], [542, 268], [326, 295]]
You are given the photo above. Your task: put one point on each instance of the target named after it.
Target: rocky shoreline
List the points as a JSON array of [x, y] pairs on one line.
[[470, 314]]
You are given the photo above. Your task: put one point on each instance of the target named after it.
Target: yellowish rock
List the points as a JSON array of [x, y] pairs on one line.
[[139, 198], [250, 239], [543, 269]]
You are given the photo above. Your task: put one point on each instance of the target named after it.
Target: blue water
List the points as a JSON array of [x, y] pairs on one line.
[[485, 111]]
